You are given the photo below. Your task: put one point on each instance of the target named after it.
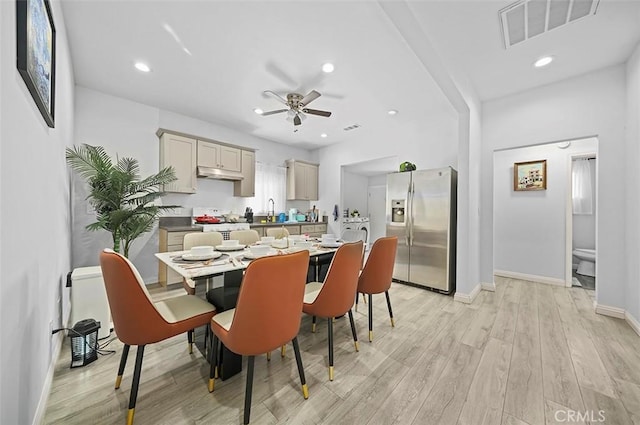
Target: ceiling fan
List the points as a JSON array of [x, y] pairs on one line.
[[296, 106]]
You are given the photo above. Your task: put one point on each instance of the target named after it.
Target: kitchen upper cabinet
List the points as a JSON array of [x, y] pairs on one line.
[[224, 157], [302, 180], [247, 186], [179, 152]]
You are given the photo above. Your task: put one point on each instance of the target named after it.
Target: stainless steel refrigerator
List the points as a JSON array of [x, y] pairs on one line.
[[421, 212]]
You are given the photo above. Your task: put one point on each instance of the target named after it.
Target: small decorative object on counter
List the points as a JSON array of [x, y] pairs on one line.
[[336, 214], [407, 166], [355, 213]]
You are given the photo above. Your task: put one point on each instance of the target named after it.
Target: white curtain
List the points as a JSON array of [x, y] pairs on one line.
[[271, 182], [582, 192]]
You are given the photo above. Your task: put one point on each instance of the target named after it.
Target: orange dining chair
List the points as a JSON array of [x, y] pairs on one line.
[[377, 274], [139, 321], [198, 239], [267, 315], [334, 297]]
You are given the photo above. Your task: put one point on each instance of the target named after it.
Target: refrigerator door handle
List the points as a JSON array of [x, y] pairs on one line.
[[411, 195], [407, 216]]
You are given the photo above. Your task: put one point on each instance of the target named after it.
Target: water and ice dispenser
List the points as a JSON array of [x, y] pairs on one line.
[[397, 210]]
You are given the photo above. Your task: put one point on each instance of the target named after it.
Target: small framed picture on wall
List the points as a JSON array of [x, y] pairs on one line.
[[530, 175]]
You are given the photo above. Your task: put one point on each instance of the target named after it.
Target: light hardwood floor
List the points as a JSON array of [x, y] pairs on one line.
[[525, 354]]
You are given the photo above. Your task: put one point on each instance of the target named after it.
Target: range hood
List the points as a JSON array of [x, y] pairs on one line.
[[219, 174]]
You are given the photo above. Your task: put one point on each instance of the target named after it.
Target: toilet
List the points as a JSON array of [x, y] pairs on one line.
[[587, 264]]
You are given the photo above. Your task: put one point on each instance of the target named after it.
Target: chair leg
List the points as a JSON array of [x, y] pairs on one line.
[[330, 338], [393, 324], [123, 362], [283, 351], [134, 384], [249, 389], [269, 356], [353, 331], [213, 367], [370, 317], [296, 350], [313, 324], [190, 340], [357, 297]]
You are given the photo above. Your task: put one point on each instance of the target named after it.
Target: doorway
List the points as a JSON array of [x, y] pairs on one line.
[[521, 218], [581, 245]]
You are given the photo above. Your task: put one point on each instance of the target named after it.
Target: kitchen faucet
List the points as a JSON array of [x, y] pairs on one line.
[[271, 212]]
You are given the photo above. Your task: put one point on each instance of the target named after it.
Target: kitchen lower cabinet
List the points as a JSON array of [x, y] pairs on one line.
[[169, 241], [293, 229], [313, 230]]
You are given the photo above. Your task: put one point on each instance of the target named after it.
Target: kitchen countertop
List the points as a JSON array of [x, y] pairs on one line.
[[179, 228], [183, 224], [283, 224]]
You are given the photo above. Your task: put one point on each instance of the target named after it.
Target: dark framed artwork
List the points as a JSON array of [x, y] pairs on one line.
[[531, 175], [36, 53]]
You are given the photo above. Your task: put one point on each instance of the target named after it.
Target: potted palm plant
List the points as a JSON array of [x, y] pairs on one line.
[[124, 203]]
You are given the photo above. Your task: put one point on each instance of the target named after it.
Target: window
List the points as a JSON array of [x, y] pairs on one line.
[[582, 192], [271, 182]]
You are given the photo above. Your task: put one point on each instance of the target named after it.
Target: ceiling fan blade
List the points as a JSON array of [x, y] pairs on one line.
[[317, 112], [297, 120], [313, 95], [264, 114], [276, 96]]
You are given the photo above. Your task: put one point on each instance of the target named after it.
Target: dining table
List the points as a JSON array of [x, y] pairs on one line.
[[230, 264]]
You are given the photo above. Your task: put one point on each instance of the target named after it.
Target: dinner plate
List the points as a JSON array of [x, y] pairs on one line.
[[331, 244], [189, 257], [229, 248], [250, 256]]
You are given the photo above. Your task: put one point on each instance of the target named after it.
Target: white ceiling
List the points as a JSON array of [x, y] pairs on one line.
[[237, 49]]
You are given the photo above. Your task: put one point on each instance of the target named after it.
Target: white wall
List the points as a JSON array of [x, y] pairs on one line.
[[35, 224], [529, 226], [632, 248], [584, 225], [128, 128], [432, 149], [354, 192], [590, 105]]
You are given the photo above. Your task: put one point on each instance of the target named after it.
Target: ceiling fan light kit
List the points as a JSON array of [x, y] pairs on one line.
[[296, 103]]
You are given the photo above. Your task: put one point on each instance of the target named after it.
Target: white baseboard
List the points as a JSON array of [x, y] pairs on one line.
[[488, 286], [633, 322], [530, 277], [607, 310], [38, 418], [467, 298]]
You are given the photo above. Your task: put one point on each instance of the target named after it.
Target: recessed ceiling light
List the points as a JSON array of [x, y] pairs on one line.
[[328, 67], [323, 135], [543, 61], [258, 111], [392, 112], [142, 67]]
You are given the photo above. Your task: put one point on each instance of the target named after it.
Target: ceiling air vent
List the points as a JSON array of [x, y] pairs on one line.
[[351, 127], [527, 18]]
